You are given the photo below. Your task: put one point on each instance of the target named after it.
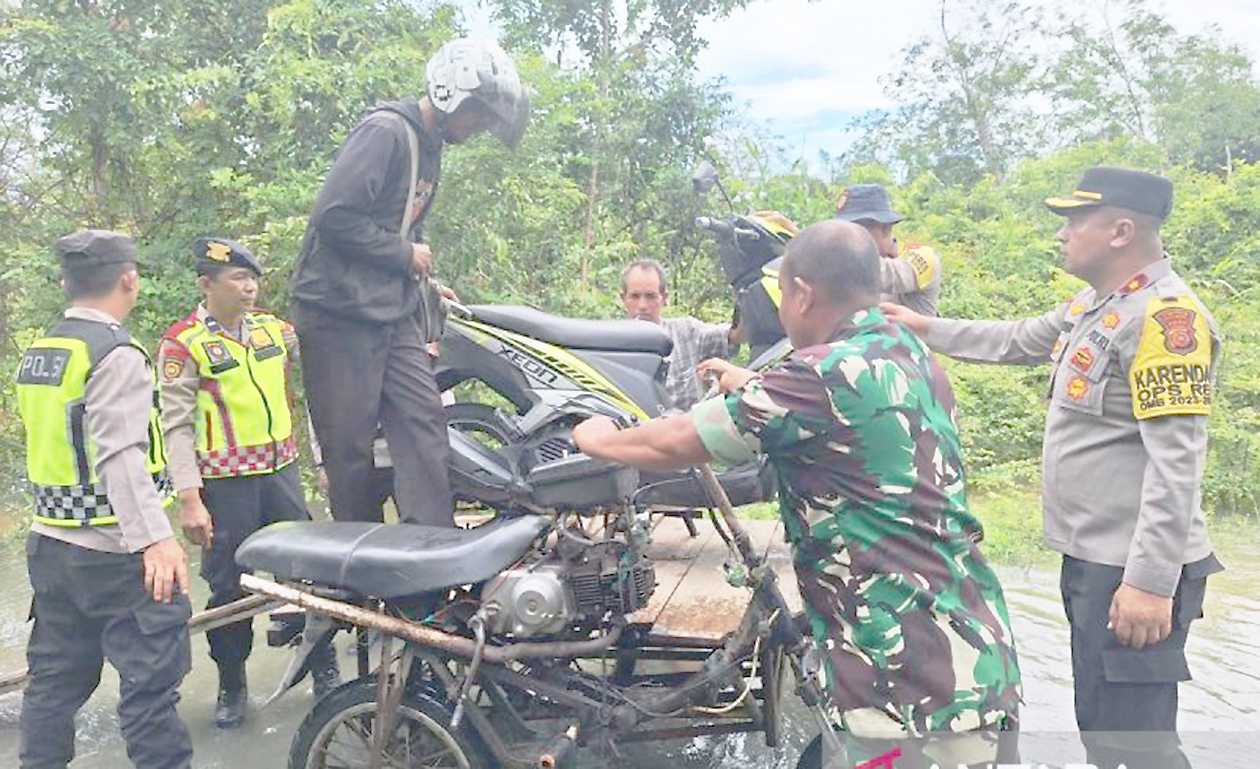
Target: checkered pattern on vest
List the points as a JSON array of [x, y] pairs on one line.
[[246, 460], [85, 504]]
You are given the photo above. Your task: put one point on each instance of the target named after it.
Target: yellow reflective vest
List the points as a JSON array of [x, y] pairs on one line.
[[60, 453], [243, 422]]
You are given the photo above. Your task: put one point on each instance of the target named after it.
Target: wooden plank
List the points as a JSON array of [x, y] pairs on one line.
[[705, 605], [673, 552], [242, 608]]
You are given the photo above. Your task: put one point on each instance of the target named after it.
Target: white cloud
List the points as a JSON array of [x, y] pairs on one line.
[[808, 66]]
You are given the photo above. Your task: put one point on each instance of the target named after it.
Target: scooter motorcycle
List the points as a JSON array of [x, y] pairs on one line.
[[551, 373], [548, 373]]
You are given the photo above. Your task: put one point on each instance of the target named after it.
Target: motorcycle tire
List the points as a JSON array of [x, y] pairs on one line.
[[345, 717]]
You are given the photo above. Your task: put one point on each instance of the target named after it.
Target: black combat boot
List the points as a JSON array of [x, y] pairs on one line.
[[325, 673], [229, 712]]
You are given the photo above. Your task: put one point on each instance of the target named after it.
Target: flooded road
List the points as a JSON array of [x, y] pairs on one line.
[[1220, 709]]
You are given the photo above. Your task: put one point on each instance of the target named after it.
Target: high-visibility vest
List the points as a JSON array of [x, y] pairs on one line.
[[243, 422], [60, 452]]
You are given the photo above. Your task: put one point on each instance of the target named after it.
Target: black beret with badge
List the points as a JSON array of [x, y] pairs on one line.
[[222, 252], [89, 249], [1124, 188]]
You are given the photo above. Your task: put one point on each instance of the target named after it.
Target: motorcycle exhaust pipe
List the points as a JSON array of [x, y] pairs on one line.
[[559, 749], [427, 636]]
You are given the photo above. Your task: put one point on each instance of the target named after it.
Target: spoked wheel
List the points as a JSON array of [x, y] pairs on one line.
[[339, 734]]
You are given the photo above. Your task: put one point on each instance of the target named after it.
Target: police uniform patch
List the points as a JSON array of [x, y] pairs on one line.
[[171, 369], [216, 352], [260, 338], [1111, 320], [924, 261], [1138, 283], [1171, 372], [1098, 339], [1178, 326], [1076, 309], [1082, 359], [1077, 387]]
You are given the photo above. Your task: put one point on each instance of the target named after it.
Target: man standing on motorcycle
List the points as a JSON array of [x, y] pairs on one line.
[[911, 278], [362, 281], [644, 294], [859, 425]]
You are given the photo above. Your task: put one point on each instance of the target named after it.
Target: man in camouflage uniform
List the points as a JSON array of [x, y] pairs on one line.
[[1134, 357], [858, 424], [911, 277]]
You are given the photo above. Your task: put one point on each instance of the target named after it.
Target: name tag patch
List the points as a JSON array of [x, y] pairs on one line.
[[43, 366]]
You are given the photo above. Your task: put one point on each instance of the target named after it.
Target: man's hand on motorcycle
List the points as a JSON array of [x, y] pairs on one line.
[[905, 316], [195, 519], [447, 292], [590, 434], [728, 376], [421, 258]]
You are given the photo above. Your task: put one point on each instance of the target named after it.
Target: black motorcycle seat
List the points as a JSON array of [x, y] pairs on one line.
[[613, 335], [388, 560]]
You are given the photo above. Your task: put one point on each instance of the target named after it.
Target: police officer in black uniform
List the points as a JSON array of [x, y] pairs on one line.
[[109, 578]]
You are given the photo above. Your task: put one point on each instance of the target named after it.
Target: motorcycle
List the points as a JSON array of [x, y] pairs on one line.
[[512, 643], [549, 373]]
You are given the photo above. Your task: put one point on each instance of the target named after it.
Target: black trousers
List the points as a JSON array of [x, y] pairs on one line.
[[359, 375], [1126, 699], [239, 507], [91, 606]]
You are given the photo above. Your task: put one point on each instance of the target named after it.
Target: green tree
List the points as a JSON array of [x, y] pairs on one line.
[[962, 95], [1138, 76]]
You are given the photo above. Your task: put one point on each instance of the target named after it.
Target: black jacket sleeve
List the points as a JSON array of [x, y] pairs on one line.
[[365, 178]]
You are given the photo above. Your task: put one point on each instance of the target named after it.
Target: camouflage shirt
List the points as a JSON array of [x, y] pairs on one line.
[[861, 434]]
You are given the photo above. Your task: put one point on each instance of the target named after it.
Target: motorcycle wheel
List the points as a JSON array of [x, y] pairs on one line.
[[337, 734]]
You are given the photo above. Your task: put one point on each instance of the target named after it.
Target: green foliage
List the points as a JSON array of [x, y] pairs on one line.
[[996, 82]]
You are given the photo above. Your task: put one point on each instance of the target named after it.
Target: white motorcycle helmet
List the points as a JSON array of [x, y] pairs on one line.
[[479, 69]]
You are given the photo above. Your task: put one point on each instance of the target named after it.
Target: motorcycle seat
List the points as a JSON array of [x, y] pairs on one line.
[[611, 335], [388, 560]]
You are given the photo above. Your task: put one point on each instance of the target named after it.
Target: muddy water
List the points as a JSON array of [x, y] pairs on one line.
[[1220, 709]]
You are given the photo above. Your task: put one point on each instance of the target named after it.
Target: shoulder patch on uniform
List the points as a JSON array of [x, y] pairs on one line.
[[926, 264], [171, 369], [1171, 372], [173, 349], [180, 326]]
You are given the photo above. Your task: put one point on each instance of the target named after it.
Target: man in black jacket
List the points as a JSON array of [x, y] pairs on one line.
[[362, 289]]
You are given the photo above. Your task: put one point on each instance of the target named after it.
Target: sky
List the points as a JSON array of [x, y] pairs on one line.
[[808, 68]]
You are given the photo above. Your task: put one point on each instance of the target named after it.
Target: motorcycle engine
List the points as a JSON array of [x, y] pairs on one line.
[[573, 587]]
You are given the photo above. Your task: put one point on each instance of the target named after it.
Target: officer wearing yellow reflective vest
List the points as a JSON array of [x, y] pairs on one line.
[[229, 431], [1134, 359], [109, 578], [909, 276]]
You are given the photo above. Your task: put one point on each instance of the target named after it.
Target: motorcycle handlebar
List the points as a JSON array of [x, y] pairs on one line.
[[723, 228]]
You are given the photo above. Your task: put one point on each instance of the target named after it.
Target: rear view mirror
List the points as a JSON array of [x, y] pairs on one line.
[[704, 178]]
